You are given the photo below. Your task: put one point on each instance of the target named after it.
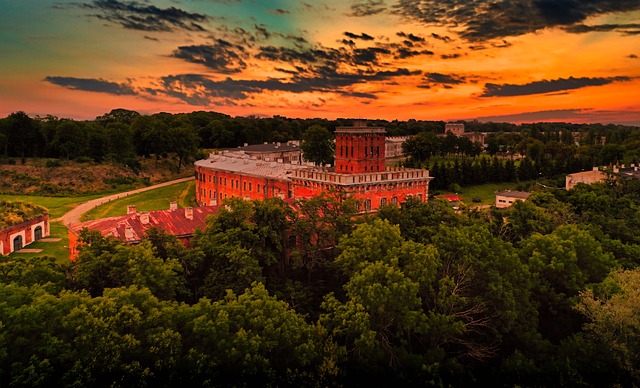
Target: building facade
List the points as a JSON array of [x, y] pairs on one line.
[[15, 237], [508, 197], [393, 146], [586, 177], [359, 170]]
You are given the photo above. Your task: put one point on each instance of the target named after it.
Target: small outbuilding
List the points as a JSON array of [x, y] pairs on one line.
[[508, 197], [21, 224]]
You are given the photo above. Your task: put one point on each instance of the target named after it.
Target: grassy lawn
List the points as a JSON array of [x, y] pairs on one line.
[[486, 191], [59, 250], [158, 199], [57, 206]]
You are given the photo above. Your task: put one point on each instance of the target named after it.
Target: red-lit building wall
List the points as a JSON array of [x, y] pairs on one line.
[[216, 185], [26, 232], [359, 152], [376, 194]]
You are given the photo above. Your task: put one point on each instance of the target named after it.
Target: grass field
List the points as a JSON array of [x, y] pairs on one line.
[[157, 199], [58, 249], [486, 191], [57, 206]]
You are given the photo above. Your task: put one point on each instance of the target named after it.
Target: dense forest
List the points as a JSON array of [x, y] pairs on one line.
[[121, 135], [545, 293]]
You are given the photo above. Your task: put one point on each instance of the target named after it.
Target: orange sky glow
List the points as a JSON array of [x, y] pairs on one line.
[[537, 60]]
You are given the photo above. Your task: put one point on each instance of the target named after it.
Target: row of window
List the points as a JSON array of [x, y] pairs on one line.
[[368, 151]]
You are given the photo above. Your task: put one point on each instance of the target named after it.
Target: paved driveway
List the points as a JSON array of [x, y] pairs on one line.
[[73, 216]]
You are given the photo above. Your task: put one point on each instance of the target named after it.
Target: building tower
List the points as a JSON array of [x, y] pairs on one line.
[[360, 149]]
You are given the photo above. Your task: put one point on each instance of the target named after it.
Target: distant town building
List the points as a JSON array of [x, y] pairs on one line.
[[509, 197], [131, 228], [288, 152], [600, 174], [360, 170], [458, 130], [455, 128], [586, 177], [22, 227], [393, 146]]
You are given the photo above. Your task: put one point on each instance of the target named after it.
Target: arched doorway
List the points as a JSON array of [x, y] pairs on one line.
[[17, 243], [37, 233]]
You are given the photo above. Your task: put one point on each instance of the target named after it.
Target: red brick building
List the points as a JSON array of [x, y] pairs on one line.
[[359, 170], [131, 228], [21, 223], [15, 237]]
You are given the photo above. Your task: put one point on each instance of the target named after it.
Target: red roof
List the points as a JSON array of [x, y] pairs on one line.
[[450, 197], [131, 228]]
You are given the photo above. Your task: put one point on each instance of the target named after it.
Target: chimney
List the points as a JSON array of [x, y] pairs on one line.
[[173, 205], [144, 218], [246, 144], [131, 209], [188, 213], [128, 233], [596, 168]]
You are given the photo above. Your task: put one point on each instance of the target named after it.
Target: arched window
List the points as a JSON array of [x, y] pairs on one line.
[[367, 205], [383, 201], [17, 243], [37, 233], [394, 200]]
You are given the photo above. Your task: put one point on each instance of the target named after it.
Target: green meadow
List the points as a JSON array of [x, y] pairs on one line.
[[157, 199]]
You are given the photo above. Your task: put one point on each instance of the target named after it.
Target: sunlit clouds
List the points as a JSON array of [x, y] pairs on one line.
[[501, 60]]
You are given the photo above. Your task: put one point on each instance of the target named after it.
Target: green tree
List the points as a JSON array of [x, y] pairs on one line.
[[70, 139], [252, 338], [563, 263], [318, 146], [613, 313], [104, 262]]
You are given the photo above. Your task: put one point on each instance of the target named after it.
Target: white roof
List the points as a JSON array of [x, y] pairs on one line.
[[244, 165]]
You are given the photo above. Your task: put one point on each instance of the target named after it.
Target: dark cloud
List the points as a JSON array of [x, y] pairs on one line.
[[91, 85], [281, 12], [196, 89], [367, 8], [262, 32], [479, 20], [450, 56], [406, 53], [569, 115], [632, 56], [410, 36], [221, 56], [629, 29], [362, 36], [151, 38], [141, 16], [443, 38], [439, 79], [547, 86]]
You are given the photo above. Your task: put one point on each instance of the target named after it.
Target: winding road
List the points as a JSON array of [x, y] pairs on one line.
[[73, 215]]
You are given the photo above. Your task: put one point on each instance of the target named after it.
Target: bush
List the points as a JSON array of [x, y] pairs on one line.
[[53, 163], [84, 159]]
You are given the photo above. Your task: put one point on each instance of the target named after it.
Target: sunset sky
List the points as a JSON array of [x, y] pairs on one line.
[[501, 60]]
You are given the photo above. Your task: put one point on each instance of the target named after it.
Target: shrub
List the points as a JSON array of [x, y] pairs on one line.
[[53, 163]]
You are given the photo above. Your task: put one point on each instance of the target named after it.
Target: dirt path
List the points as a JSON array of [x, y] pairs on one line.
[[73, 216]]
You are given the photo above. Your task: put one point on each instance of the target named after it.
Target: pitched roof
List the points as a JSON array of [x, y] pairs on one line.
[[450, 197], [514, 194], [174, 222], [247, 166]]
